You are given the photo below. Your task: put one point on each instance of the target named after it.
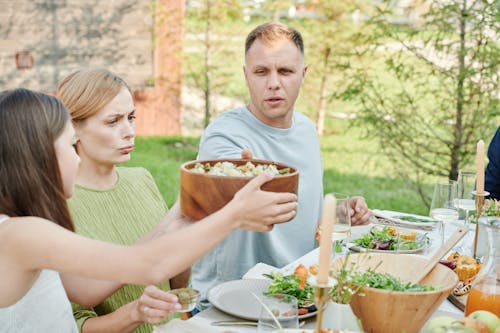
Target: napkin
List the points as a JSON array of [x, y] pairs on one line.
[[257, 271]]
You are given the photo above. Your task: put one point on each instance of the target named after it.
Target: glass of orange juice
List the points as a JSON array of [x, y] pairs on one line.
[[485, 292]]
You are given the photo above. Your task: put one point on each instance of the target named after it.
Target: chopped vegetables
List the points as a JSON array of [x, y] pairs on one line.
[[246, 170], [302, 273]]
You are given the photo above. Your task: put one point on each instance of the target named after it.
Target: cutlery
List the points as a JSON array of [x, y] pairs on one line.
[[447, 246], [242, 323]]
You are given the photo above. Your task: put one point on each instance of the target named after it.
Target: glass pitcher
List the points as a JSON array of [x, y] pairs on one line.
[[485, 292]]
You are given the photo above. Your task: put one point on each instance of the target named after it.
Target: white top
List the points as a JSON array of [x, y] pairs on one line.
[[44, 308]]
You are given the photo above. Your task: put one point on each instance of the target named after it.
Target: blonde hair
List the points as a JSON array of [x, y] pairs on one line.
[[87, 91], [272, 31]]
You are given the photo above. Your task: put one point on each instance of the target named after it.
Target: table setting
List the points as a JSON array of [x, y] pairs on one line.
[[239, 312], [395, 274]]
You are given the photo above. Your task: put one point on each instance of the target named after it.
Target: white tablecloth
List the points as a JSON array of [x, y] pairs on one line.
[[201, 323]]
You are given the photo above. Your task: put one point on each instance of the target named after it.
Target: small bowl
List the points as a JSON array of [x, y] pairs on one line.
[[204, 194], [188, 298], [385, 311]]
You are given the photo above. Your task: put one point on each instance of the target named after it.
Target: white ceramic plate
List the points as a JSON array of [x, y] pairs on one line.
[[422, 239], [235, 298]]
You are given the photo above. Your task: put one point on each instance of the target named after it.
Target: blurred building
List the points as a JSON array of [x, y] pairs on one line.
[[141, 40]]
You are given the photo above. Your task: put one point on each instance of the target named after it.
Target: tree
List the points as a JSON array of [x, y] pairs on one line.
[[332, 38], [211, 18], [430, 91]]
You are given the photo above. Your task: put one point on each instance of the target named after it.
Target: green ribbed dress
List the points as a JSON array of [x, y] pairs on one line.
[[120, 215]]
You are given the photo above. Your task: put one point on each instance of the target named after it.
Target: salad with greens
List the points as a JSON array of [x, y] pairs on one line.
[[388, 238], [291, 285], [388, 282]]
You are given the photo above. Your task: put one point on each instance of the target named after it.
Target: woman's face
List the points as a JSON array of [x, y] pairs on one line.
[[107, 138], [67, 158]]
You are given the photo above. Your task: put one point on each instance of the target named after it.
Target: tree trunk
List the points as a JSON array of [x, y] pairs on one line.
[[455, 151], [320, 119], [208, 64]]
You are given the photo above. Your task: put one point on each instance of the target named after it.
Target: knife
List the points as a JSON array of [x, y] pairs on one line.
[[234, 323], [241, 323]]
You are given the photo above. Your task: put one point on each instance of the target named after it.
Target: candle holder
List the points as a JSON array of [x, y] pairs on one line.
[[479, 209], [322, 293]]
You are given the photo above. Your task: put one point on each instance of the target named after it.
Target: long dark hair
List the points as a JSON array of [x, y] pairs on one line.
[[30, 179]]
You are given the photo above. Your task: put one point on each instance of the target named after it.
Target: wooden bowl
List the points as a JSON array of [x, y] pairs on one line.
[[383, 311], [203, 194]]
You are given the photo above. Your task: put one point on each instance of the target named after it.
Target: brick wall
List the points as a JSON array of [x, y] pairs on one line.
[[64, 35]]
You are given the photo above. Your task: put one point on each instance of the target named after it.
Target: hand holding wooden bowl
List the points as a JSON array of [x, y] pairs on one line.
[[202, 194]]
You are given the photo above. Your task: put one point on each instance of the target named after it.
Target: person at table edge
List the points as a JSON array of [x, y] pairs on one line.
[[270, 129], [492, 175]]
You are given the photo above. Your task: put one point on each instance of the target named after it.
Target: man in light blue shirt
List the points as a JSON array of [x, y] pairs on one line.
[[272, 130]]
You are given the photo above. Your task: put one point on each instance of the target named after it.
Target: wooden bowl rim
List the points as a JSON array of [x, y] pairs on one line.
[[258, 161], [412, 293]]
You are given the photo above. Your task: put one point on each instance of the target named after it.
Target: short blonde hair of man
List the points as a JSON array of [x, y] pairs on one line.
[[87, 91], [272, 31]]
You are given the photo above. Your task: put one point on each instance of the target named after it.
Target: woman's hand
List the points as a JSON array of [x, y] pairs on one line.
[[154, 305], [259, 210]]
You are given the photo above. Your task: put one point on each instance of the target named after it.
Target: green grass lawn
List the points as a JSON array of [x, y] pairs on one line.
[[351, 165]]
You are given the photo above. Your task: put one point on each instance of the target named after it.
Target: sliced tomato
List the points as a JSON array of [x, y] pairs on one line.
[[302, 311]]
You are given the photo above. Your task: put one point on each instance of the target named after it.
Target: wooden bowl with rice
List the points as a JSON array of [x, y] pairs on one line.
[[208, 185]]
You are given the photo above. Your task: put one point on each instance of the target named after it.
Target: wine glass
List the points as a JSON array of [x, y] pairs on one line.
[[443, 206], [465, 201], [277, 311], [342, 226]]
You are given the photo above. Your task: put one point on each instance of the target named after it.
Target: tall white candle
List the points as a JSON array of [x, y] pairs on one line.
[[480, 167], [325, 245]]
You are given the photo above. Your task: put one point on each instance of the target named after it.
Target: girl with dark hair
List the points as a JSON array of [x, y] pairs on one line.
[[38, 166]]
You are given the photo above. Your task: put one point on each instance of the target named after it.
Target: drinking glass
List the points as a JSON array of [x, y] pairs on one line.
[[188, 298], [342, 227], [281, 308], [443, 206], [465, 200]]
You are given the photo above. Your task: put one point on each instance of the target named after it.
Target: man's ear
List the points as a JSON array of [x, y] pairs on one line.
[[245, 74], [304, 72]]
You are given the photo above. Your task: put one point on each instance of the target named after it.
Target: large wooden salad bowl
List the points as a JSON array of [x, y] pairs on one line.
[[385, 311], [204, 194]]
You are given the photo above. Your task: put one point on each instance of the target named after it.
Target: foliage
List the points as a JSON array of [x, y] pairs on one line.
[[331, 40], [440, 88], [346, 286], [491, 208], [210, 19]]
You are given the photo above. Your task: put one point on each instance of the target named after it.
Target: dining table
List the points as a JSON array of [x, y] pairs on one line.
[[206, 320]]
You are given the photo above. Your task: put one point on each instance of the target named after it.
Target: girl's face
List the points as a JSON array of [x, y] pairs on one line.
[[67, 158], [107, 138]]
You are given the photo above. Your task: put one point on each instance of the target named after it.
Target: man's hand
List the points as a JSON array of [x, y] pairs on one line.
[[360, 214], [246, 154]]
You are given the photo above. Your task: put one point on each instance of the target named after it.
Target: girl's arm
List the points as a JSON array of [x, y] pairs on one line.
[[32, 244]]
